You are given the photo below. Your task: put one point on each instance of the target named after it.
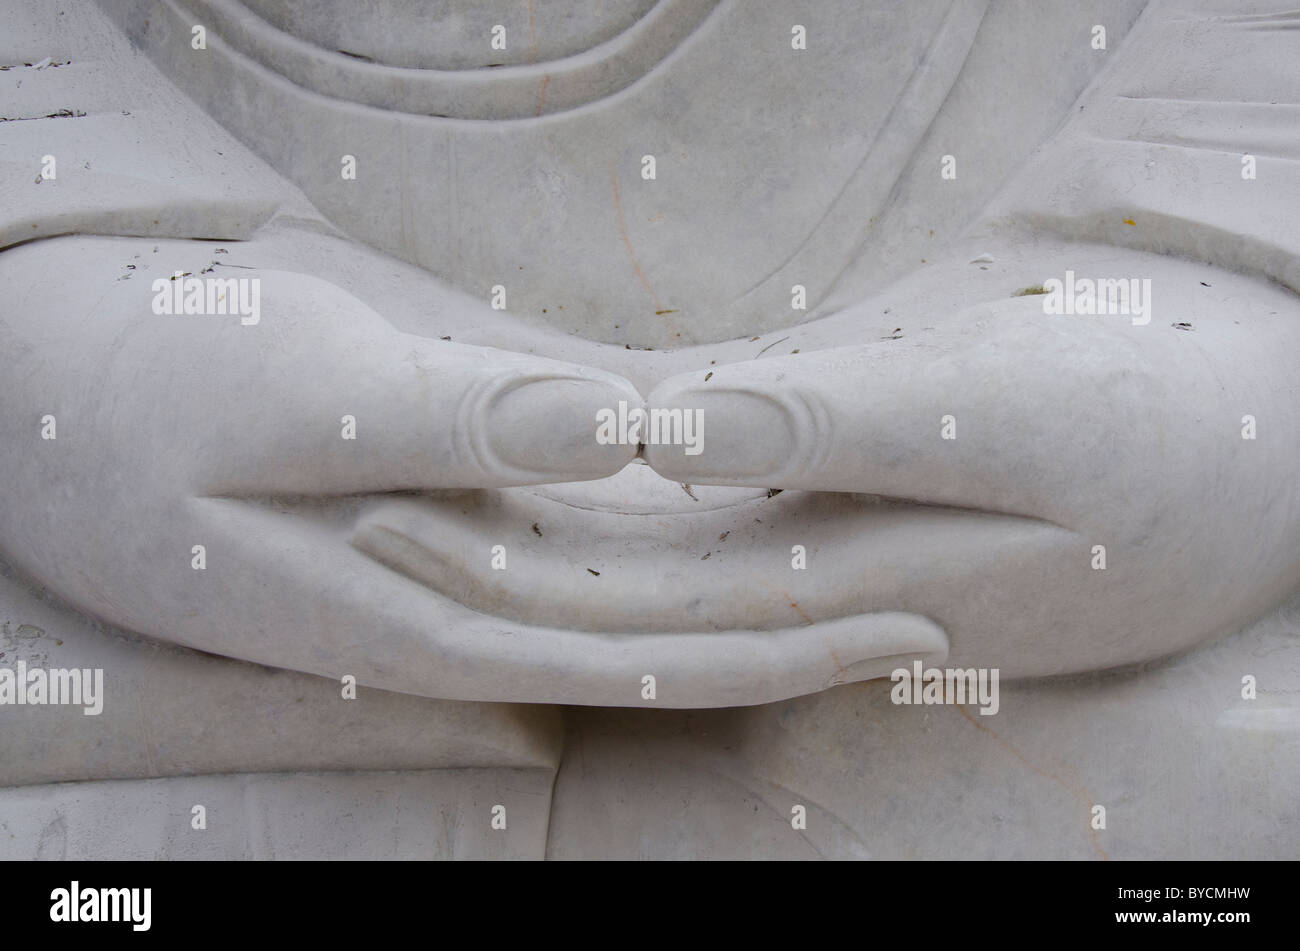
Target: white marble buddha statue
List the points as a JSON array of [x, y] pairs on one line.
[[958, 463]]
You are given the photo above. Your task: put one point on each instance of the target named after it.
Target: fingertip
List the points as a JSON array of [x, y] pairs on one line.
[[545, 426], [743, 433]]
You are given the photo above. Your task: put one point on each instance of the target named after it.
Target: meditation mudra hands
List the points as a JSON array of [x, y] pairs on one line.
[[1034, 493]]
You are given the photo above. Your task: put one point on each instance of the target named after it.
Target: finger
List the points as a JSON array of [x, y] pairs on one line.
[[388, 631], [1016, 421], [316, 394]]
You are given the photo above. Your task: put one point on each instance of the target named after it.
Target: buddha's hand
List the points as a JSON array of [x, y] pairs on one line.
[[1155, 468], [135, 441]]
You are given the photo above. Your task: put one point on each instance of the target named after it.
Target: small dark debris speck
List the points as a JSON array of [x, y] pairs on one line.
[[537, 531], [594, 572]]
